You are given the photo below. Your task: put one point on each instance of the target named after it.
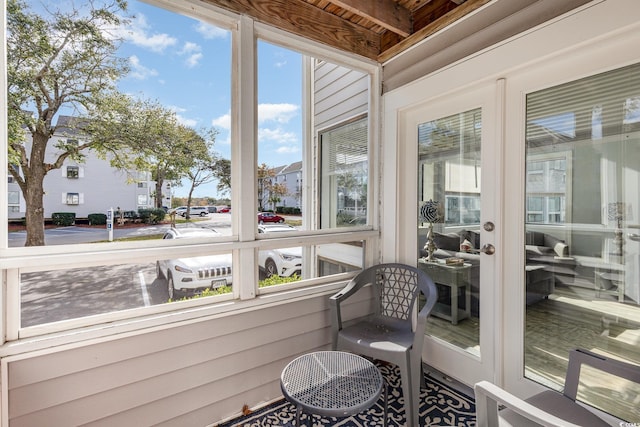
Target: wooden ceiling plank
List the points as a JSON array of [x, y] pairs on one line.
[[444, 21], [386, 13], [308, 21]]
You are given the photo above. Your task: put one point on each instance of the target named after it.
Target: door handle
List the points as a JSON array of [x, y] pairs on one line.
[[633, 236], [488, 249]]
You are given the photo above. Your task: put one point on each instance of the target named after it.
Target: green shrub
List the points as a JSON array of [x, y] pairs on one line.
[[63, 219], [277, 280], [151, 216], [207, 293], [288, 210], [97, 219]]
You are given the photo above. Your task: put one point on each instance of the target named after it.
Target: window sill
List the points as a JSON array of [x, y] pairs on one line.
[[159, 321]]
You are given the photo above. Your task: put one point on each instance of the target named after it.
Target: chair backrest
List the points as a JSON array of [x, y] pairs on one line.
[[579, 357], [395, 287], [490, 398], [550, 408]]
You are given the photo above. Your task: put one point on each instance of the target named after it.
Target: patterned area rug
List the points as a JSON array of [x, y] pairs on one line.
[[440, 405]]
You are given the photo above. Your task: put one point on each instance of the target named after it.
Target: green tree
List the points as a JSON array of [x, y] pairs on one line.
[[202, 171], [266, 176], [61, 60], [222, 172], [142, 135]]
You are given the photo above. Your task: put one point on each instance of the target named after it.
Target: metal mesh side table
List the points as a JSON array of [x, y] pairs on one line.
[[333, 384]]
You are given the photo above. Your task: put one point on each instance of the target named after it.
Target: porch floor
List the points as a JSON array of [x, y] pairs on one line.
[[440, 405]]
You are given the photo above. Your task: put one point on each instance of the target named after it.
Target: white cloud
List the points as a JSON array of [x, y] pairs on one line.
[[182, 119], [185, 121], [190, 47], [193, 60], [280, 64], [137, 32], [289, 149], [223, 122], [193, 50], [278, 135], [279, 113], [209, 31], [225, 141], [139, 71]]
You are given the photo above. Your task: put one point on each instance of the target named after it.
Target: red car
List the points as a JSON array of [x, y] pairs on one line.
[[224, 210], [269, 217]]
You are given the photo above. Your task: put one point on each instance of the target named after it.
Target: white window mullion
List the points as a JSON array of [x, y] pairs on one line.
[[12, 303], [243, 156]]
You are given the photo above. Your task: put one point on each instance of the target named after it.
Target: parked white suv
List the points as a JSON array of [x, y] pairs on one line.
[[283, 262], [195, 211], [192, 275]]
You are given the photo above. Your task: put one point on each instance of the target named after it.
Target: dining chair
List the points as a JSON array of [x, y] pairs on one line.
[[392, 333]]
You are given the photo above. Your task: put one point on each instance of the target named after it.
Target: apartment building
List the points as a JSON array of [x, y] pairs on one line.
[[71, 188]]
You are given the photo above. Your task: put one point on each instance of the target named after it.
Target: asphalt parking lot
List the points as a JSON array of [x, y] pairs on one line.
[[75, 234], [58, 295]]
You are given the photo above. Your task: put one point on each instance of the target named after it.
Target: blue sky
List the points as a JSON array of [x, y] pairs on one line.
[[186, 65]]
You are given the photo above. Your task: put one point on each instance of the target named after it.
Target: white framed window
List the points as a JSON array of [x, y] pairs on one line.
[[73, 172], [71, 198], [240, 237], [13, 197]]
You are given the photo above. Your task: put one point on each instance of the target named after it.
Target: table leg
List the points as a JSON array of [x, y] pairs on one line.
[[384, 420], [467, 299], [454, 305], [298, 411]]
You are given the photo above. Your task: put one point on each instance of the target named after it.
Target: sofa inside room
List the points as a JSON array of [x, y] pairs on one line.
[[548, 261]]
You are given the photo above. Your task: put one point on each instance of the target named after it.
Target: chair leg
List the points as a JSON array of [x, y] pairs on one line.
[[407, 392], [416, 369]]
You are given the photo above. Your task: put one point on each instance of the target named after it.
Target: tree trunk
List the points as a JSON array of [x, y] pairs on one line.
[[34, 191], [159, 183]]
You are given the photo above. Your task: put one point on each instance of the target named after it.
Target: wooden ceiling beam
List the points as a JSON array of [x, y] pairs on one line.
[[386, 13], [308, 21], [437, 25]]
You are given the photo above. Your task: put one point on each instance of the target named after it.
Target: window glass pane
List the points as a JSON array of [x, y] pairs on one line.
[[280, 266], [449, 188], [73, 171], [339, 94], [345, 172], [52, 296], [73, 198], [13, 197], [582, 271], [149, 132], [280, 168]]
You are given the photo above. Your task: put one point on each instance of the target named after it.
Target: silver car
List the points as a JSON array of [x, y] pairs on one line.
[[188, 276]]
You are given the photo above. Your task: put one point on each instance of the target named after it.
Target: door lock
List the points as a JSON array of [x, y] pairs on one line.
[[489, 226], [488, 249]]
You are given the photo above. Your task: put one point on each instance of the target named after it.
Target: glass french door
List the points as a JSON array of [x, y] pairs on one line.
[[450, 148], [582, 238]]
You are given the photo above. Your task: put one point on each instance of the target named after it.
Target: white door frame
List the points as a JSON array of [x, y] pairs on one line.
[[452, 360], [600, 35]]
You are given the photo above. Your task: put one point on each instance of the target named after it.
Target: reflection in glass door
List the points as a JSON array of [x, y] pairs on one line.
[[449, 224], [582, 230]]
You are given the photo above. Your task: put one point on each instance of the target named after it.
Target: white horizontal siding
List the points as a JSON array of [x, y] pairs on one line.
[[193, 374], [340, 94]]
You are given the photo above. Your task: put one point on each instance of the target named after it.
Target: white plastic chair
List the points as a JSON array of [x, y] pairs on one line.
[[388, 334], [549, 408]]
